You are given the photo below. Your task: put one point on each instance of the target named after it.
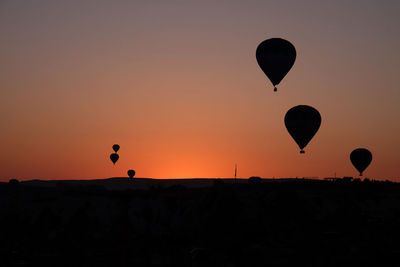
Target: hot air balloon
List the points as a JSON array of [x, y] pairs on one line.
[[114, 157], [275, 57], [361, 158], [131, 173], [116, 148], [302, 123]]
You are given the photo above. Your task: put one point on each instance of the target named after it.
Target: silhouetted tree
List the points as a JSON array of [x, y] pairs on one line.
[[254, 180], [13, 182]]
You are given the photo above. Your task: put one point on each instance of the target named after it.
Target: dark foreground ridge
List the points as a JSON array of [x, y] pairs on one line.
[[262, 223]]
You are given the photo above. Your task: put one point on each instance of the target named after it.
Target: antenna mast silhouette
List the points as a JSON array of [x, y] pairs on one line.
[[235, 171]]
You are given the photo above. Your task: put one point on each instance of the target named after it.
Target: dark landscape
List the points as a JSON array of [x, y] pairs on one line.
[[293, 90], [200, 222]]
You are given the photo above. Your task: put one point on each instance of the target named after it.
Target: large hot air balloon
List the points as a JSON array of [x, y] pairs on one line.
[[275, 57], [116, 148], [114, 157], [302, 123], [361, 158], [131, 173]]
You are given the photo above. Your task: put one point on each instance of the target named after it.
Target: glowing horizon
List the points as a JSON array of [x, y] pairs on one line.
[[177, 85]]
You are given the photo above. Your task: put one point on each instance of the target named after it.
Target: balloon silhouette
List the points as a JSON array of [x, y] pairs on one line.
[[302, 123], [114, 157], [275, 57], [360, 158], [131, 173], [116, 148]]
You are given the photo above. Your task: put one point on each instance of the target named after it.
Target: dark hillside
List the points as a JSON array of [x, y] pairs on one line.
[[296, 222]]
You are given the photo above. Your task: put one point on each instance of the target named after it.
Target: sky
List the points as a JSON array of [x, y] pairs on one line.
[[176, 84]]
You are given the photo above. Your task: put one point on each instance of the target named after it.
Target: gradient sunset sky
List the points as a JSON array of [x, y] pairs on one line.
[[177, 85]]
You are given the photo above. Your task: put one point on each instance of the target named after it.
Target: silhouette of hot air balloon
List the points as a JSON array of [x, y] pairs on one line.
[[114, 157], [131, 173], [275, 57], [361, 158], [116, 148], [302, 123]]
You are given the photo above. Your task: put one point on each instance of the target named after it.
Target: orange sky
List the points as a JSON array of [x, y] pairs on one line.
[[177, 85]]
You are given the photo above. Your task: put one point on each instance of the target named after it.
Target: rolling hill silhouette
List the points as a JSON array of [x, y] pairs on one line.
[[199, 222]]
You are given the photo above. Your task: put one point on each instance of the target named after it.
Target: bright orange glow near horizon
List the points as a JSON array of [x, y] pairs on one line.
[[177, 85]]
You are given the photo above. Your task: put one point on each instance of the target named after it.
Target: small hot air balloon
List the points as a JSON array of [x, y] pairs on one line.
[[116, 148], [302, 123], [361, 158], [131, 173], [114, 157], [275, 57]]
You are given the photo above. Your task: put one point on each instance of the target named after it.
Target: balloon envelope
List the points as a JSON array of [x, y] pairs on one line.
[[114, 157], [275, 57], [302, 123], [116, 148], [360, 158], [131, 173]]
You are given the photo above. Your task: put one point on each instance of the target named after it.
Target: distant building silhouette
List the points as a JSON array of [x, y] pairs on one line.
[[336, 179]]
